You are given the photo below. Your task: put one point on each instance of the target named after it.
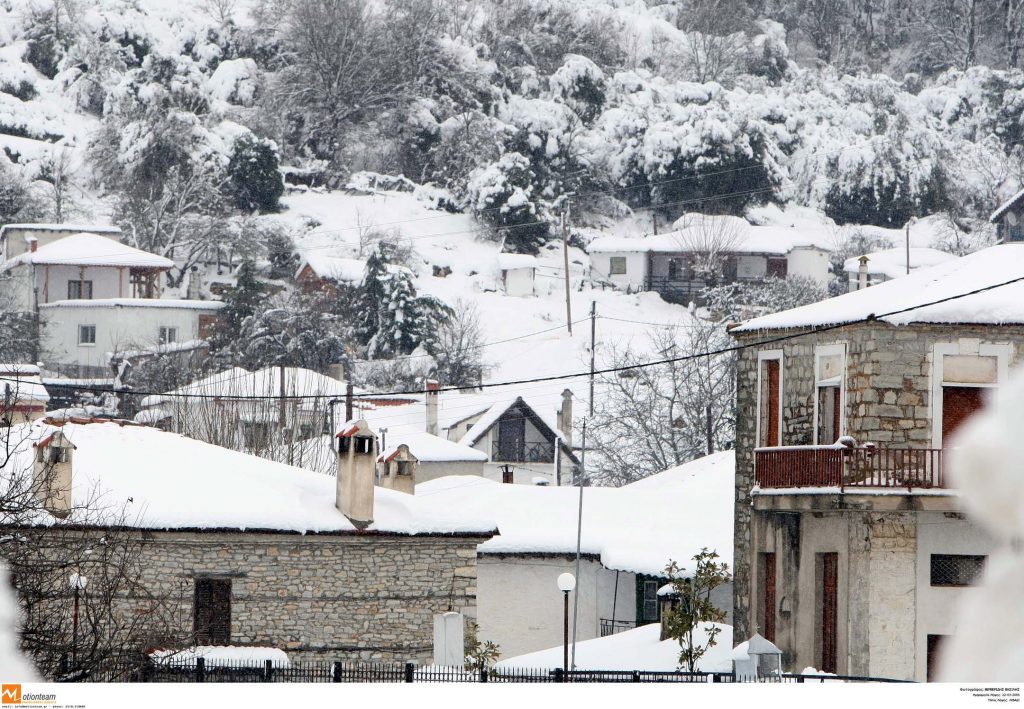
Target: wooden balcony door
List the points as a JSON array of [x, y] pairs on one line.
[[768, 595], [829, 610], [958, 403], [771, 426]]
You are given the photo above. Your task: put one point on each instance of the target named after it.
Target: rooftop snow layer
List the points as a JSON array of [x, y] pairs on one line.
[[1000, 305], [1006, 206], [637, 528], [237, 382], [431, 449], [150, 479], [88, 249], [23, 384], [491, 416], [892, 263], [87, 228], [136, 303], [348, 270]]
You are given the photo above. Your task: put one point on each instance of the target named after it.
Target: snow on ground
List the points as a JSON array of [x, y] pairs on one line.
[[637, 649], [988, 267], [151, 478], [637, 528], [221, 656]]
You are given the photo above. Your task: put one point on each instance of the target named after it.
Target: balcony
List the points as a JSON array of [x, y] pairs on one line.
[[843, 467], [612, 627], [519, 451]]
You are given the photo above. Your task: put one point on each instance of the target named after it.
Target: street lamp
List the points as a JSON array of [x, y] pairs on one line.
[[77, 582], [566, 583]]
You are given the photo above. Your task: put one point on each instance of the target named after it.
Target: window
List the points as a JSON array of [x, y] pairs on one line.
[[769, 423], [211, 616], [650, 601], [79, 290], [86, 334], [674, 269], [829, 372], [168, 335], [617, 266], [955, 569], [52, 455], [961, 372], [404, 467]]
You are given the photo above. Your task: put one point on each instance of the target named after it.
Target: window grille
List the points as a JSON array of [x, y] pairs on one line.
[[955, 569]]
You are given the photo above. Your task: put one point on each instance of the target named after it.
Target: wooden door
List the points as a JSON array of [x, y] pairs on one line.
[[958, 403], [768, 595], [829, 610], [212, 611], [770, 433]]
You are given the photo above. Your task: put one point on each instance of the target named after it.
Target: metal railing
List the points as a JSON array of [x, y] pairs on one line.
[[611, 627], [843, 467], [543, 452], [199, 670]]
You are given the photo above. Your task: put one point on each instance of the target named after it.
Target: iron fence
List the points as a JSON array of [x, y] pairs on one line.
[[611, 627], [199, 670]]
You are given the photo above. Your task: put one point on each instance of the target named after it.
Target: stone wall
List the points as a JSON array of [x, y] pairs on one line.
[[349, 597], [888, 401]]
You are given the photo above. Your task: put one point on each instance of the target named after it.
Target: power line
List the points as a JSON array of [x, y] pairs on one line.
[[607, 370]]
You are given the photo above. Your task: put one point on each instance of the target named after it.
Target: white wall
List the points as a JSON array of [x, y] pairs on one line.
[[808, 262], [520, 608], [519, 282], [117, 328], [938, 534], [752, 267], [107, 281], [428, 470], [636, 268]]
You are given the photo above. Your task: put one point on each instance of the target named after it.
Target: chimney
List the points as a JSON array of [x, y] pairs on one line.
[[357, 461], [336, 371], [862, 273], [565, 416], [51, 473], [432, 396], [33, 243], [398, 470], [193, 292]]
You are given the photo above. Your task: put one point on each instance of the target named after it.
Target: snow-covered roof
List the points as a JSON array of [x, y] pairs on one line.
[[88, 228], [24, 383], [637, 649], [998, 306], [743, 238], [89, 249], [150, 479], [167, 303], [510, 262], [491, 416], [18, 369], [892, 263], [237, 382], [348, 270], [429, 448], [637, 528], [1006, 206]]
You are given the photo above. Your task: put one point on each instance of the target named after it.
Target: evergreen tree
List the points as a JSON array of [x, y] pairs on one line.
[[241, 303], [255, 180]]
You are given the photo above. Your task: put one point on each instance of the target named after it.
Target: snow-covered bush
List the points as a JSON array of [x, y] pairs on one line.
[[503, 196], [255, 178], [581, 85]]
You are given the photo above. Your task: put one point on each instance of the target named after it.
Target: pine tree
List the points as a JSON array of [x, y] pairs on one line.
[[242, 302]]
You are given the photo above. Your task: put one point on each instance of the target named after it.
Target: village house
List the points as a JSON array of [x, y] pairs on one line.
[[703, 251], [629, 535], [319, 273], [255, 553], [851, 548], [1009, 219], [23, 397], [93, 295]]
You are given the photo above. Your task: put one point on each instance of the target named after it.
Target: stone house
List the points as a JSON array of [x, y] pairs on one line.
[[252, 552], [851, 548], [702, 251]]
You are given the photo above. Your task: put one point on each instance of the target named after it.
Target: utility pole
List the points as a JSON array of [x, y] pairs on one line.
[[282, 415], [654, 222], [593, 350], [565, 260], [579, 539], [708, 431], [909, 222]]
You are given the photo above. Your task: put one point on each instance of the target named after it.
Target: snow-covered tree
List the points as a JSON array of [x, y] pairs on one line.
[[503, 196], [255, 180], [294, 330]]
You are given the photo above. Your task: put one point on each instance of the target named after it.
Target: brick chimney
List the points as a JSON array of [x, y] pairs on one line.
[[565, 416], [433, 393], [356, 447], [51, 473]]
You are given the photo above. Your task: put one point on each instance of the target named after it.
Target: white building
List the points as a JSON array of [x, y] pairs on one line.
[[675, 264], [95, 297], [629, 535], [881, 266], [518, 274]]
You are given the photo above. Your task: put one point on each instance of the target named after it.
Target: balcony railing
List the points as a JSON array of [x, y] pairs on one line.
[[843, 467], [611, 627], [525, 452]]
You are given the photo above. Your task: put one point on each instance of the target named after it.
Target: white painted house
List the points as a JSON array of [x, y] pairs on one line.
[[95, 297], [518, 274], [629, 535], [675, 263]]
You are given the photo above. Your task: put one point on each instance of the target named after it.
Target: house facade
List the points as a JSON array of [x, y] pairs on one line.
[[1009, 219], [243, 551], [705, 251], [851, 548]]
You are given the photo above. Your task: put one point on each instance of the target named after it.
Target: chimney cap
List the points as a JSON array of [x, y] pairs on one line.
[[354, 427], [433, 386]]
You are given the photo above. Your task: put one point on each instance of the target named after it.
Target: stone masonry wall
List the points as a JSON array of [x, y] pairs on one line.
[[348, 597], [888, 380]]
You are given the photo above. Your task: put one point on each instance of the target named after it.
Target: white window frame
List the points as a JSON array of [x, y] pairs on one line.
[[163, 331], [762, 356], [86, 344], [820, 352], [965, 346]]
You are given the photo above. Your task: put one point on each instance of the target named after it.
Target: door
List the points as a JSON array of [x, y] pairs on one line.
[[212, 611], [829, 610], [768, 595], [512, 437], [830, 414], [958, 403], [770, 431]]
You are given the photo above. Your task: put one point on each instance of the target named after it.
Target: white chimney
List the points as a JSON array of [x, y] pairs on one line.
[[336, 371], [398, 470], [565, 416], [51, 473], [357, 461], [431, 400], [862, 273], [194, 282]]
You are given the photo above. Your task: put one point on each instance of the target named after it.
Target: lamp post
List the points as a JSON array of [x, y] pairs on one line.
[[566, 583], [77, 582]]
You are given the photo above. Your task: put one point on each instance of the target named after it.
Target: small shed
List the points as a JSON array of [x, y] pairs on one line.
[[757, 660], [518, 274]]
